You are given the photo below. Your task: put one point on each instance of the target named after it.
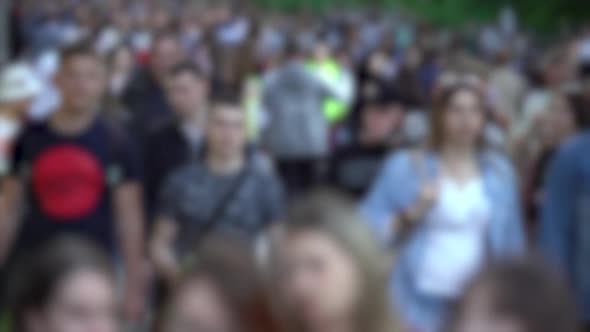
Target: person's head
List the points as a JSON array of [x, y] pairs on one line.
[[187, 89], [226, 129], [381, 115], [458, 118], [81, 78], [18, 87], [518, 296], [321, 51], [219, 291], [68, 286], [330, 270], [121, 63], [121, 59], [166, 53]]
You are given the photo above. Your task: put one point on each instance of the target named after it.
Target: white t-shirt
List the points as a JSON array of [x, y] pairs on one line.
[[455, 247]]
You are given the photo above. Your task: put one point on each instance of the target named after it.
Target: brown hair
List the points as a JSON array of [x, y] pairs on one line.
[[331, 214], [82, 48], [526, 291], [43, 270], [440, 109], [229, 265]]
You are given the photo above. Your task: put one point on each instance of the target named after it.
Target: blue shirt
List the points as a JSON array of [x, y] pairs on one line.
[[565, 219], [397, 189]]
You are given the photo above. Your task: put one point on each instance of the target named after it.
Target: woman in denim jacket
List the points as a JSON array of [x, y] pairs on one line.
[[449, 209]]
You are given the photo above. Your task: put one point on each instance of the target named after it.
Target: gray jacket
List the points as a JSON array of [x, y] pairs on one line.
[[293, 98]]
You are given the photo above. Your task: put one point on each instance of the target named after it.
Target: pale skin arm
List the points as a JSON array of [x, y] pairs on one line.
[[11, 208], [130, 231], [161, 249]]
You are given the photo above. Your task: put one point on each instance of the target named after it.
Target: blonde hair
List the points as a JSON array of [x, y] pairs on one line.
[[333, 215]]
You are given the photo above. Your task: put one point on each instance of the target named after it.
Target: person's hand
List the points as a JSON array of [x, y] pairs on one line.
[[428, 195], [426, 198]]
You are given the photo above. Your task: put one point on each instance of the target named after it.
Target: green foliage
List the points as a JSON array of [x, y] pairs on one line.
[[537, 14]]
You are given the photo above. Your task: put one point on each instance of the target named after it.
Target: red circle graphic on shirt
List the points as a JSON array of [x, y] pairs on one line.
[[68, 182]]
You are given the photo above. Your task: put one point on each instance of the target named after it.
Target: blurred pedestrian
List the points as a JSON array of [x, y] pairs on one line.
[[230, 187], [439, 206], [564, 230], [177, 142], [121, 65], [67, 285], [75, 173], [354, 167], [19, 85], [515, 296], [145, 96], [331, 274], [297, 135], [219, 290], [551, 128]]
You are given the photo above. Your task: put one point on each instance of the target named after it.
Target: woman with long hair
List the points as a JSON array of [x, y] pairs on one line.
[[331, 275], [67, 286], [450, 208], [220, 290]]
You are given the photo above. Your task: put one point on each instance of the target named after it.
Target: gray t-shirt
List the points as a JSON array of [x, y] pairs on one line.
[[192, 193]]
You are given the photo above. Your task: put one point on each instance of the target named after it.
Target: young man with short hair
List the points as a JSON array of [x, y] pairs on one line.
[[175, 143], [229, 188], [76, 174]]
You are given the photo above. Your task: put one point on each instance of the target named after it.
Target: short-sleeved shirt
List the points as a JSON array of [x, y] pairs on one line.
[[191, 195], [69, 181]]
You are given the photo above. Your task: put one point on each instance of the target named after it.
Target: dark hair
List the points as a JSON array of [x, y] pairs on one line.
[[227, 100], [80, 49], [327, 212], [528, 292], [42, 272], [440, 111], [188, 68], [229, 265]]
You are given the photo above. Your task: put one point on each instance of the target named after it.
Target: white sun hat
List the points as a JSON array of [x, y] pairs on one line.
[[18, 81]]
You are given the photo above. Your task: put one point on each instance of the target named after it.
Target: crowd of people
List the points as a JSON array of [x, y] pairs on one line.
[[209, 166]]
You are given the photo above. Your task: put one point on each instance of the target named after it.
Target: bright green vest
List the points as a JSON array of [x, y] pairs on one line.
[[334, 109]]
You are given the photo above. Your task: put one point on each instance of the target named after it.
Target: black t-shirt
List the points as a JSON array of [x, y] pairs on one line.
[[354, 168], [69, 181]]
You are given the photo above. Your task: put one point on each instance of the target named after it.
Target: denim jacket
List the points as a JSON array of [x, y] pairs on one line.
[[565, 220], [397, 189]]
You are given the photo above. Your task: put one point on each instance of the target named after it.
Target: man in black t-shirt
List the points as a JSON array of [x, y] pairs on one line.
[[76, 174], [354, 167], [174, 144]]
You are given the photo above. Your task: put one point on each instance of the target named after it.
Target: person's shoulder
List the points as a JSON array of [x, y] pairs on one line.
[[261, 164], [34, 129], [577, 144], [181, 176], [163, 131], [496, 158], [406, 158], [115, 132]]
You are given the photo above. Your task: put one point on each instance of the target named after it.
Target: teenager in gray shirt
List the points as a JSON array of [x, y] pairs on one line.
[[230, 188]]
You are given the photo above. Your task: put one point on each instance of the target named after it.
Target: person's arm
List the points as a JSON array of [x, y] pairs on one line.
[[558, 213], [164, 235], [11, 201], [274, 199], [128, 211], [161, 249], [383, 204], [130, 232]]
